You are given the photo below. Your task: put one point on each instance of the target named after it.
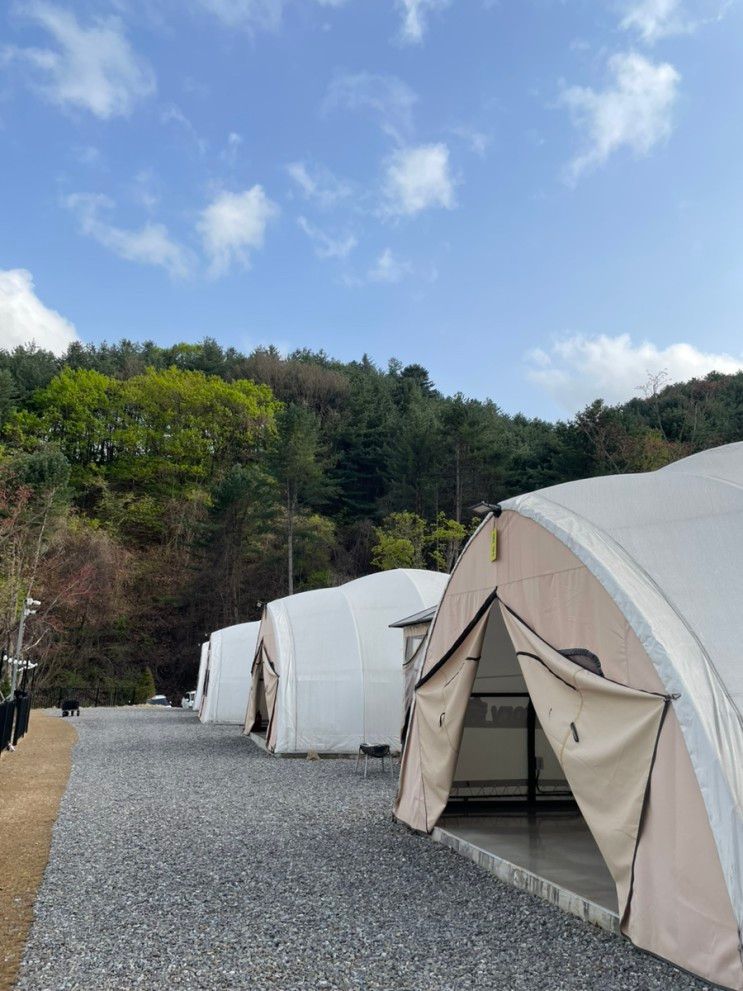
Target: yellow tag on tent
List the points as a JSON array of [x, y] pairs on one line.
[[494, 545]]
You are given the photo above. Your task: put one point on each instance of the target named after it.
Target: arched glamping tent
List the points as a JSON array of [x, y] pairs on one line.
[[327, 674], [227, 676], [589, 641]]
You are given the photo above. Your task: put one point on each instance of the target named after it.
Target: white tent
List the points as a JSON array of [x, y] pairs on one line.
[[203, 661], [327, 674], [227, 679], [613, 605]]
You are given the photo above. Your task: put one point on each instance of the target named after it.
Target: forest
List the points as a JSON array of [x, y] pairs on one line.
[[150, 495]]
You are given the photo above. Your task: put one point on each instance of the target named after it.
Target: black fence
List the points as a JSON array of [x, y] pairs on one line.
[[22, 715], [14, 716], [7, 718]]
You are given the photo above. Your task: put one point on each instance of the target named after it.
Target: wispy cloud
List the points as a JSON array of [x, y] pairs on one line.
[[415, 14], [234, 225], [250, 15], [253, 15], [389, 269], [92, 67], [24, 318], [388, 99], [150, 244], [578, 369], [417, 179], [318, 184], [338, 247], [653, 20], [173, 114], [635, 111]]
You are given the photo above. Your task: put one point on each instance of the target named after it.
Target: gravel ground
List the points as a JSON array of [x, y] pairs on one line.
[[183, 857]]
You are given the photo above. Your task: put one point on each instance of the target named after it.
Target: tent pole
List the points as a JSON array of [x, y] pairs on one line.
[[531, 759]]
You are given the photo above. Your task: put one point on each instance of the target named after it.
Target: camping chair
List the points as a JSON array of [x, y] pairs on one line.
[[378, 751]]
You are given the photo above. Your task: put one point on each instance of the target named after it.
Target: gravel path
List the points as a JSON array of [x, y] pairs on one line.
[[183, 857]]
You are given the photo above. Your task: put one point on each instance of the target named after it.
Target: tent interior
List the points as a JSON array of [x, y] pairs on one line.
[[509, 795], [260, 727]]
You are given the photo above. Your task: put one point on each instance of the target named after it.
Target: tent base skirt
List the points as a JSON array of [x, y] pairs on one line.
[[575, 879]]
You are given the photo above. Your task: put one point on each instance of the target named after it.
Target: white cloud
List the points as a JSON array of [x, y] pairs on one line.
[[418, 178], [91, 67], [388, 268], [248, 14], [415, 18], [579, 369], [253, 15], [24, 318], [326, 246], [656, 19], [634, 111], [318, 184], [388, 98], [148, 245], [233, 225], [477, 141], [174, 115]]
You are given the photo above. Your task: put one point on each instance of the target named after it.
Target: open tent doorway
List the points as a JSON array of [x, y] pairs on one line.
[[505, 760], [510, 797]]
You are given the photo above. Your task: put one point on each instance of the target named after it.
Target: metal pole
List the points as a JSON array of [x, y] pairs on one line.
[[19, 647], [531, 758]]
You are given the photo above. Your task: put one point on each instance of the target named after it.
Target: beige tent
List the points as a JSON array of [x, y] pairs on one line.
[[588, 642]]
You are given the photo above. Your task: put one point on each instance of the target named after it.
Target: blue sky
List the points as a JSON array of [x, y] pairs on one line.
[[538, 199]]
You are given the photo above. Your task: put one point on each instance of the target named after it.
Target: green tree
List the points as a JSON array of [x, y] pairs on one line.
[[298, 464], [400, 542], [144, 687]]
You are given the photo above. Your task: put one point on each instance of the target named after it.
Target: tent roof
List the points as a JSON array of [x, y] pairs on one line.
[[683, 527], [424, 616]]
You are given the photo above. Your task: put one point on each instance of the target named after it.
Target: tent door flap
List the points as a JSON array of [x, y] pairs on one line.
[[605, 736]]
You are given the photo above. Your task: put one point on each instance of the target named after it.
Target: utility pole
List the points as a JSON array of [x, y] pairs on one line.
[[29, 609]]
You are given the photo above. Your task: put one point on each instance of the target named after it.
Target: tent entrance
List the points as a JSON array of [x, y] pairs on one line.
[[260, 726], [505, 761], [511, 808]]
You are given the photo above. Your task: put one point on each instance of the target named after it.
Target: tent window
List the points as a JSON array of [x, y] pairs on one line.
[[584, 659]]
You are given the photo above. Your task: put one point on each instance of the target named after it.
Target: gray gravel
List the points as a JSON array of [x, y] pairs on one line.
[[183, 857]]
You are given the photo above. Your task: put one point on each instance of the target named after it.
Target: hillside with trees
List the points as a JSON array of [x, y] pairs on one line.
[[149, 495]]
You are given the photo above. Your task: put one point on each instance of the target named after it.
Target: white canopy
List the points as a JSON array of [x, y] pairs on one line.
[[227, 679], [337, 662]]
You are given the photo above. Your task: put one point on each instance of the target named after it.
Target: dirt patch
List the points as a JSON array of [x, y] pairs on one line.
[[32, 781]]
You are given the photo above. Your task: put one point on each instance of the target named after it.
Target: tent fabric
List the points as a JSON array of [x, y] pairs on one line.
[[642, 571], [227, 681], [203, 661], [338, 676], [604, 735]]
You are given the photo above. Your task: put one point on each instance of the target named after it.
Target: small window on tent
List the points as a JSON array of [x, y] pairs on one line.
[[583, 658]]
